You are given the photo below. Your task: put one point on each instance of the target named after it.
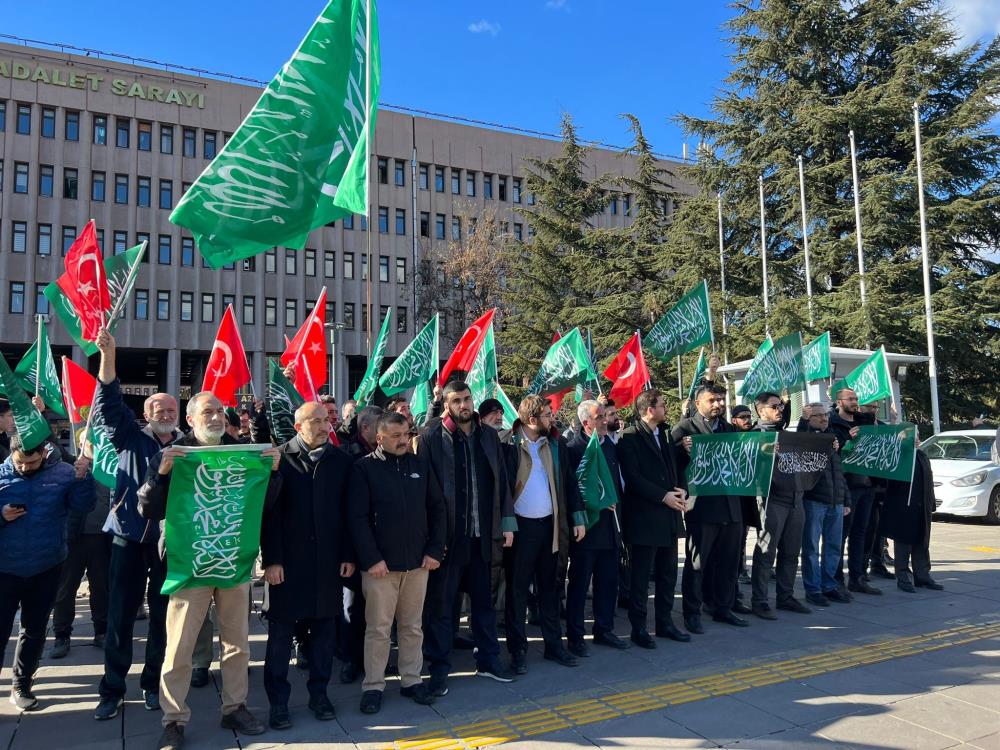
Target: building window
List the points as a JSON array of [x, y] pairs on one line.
[[187, 306], [121, 188], [69, 183], [71, 129], [119, 242], [439, 226], [207, 307], [142, 193], [456, 228], [190, 146], [41, 301], [187, 252], [209, 146], [68, 238], [227, 301], [383, 171], [613, 203], [250, 264], [310, 262], [472, 225], [140, 237], [438, 179], [48, 122], [425, 224], [456, 181], [349, 221], [165, 250], [141, 304], [166, 194], [400, 270], [348, 265], [123, 129], [518, 231], [329, 264], [100, 130], [424, 176], [248, 305], [349, 316], [365, 309], [400, 320], [383, 269], [270, 311], [24, 119], [291, 313], [398, 174], [45, 239], [163, 305], [488, 186], [626, 205], [502, 182], [16, 298], [401, 221], [531, 199], [383, 311], [3, 116], [470, 184], [145, 136], [517, 190], [166, 139], [97, 186], [290, 262], [46, 176], [20, 177], [383, 220], [364, 267], [271, 261]]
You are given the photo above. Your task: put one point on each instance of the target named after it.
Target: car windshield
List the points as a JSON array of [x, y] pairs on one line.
[[958, 447]]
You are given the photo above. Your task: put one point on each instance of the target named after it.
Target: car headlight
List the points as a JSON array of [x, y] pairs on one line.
[[971, 480]]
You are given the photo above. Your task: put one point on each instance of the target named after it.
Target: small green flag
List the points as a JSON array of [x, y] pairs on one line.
[[870, 380], [366, 389], [417, 363], [778, 368], [30, 425], [731, 463], [816, 358], [105, 465], [699, 373], [888, 451], [509, 410], [214, 509], [685, 326], [49, 387], [282, 401], [565, 365], [597, 486], [420, 403], [482, 378], [593, 385], [297, 162]]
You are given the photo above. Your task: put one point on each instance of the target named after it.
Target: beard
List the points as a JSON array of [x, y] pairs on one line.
[[463, 417], [210, 434], [162, 428]]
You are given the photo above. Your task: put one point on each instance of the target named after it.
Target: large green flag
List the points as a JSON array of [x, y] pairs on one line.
[[565, 365], [870, 380], [482, 378], [699, 373], [778, 368], [298, 160], [417, 364], [282, 401], [593, 385], [816, 358], [214, 509], [366, 389], [120, 271], [49, 387], [731, 463], [30, 425], [597, 486], [888, 451], [685, 326]]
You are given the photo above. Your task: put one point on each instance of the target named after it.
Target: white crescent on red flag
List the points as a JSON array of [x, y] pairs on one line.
[[464, 355], [85, 284], [628, 373], [227, 370]]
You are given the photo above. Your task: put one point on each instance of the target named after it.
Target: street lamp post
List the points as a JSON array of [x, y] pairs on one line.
[[334, 327]]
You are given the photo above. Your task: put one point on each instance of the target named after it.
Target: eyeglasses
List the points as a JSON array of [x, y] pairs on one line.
[[779, 405]]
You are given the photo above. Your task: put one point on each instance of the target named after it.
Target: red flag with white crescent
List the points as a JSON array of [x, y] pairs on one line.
[[78, 387], [85, 284], [628, 373], [467, 348], [309, 344], [227, 370]]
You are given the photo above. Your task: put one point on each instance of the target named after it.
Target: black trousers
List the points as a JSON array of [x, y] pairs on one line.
[[855, 532], [661, 563], [35, 596], [917, 555], [351, 632], [136, 572], [531, 560], [319, 647], [778, 547], [90, 553], [599, 566], [711, 561]]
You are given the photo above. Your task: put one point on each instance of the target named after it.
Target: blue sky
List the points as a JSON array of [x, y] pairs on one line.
[[521, 62]]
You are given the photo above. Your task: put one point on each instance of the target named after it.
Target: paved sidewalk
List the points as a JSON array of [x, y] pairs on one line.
[[910, 671]]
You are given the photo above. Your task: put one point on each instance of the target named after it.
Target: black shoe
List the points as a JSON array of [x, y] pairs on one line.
[[60, 649], [418, 693], [23, 698], [242, 721], [907, 586], [172, 737], [107, 708], [463, 643], [744, 579], [764, 611], [741, 609], [278, 718], [519, 663], [98, 641], [579, 648], [200, 677], [729, 618], [561, 656], [670, 631], [693, 625], [495, 671], [836, 595], [818, 599], [371, 701], [643, 639], [860, 587], [791, 604], [929, 584], [322, 708], [882, 572], [612, 641], [151, 700], [438, 685], [349, 673]]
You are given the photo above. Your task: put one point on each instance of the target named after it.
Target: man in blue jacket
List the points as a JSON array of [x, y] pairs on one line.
[[39, 491], [135, 560]]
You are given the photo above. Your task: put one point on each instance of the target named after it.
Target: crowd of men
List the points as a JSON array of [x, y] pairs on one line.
[[418, 524]]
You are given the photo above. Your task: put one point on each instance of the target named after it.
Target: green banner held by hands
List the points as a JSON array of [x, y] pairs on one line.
[[888, 451], [731, 463]]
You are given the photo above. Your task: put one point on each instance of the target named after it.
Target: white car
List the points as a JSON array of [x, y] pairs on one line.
[[966, 474]]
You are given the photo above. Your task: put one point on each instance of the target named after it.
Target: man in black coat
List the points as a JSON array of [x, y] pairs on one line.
[[907, 521], [714, 523], [306, 551], [655, 499], [595, 557]]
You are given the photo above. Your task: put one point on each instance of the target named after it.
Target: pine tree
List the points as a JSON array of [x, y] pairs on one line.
[[805, 73]]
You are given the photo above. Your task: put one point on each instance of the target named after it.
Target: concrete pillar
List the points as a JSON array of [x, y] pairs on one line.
[[173, 372]]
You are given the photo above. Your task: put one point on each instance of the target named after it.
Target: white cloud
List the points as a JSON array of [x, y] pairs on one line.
[[557, 4], [975, 18], [485, 27]]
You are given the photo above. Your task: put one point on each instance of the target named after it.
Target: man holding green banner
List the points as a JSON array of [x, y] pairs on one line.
[[212, 494]]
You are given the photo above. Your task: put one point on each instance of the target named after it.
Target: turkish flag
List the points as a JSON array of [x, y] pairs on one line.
[[227, 370], [628, 373], [309, 346], [78, 387], [464, 355], [84, 282]]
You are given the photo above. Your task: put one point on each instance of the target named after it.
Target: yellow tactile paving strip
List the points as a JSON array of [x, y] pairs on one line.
[[621, 704]]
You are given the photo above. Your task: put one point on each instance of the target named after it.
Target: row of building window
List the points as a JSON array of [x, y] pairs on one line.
[[122, 135], [473, 185], [98, 185]]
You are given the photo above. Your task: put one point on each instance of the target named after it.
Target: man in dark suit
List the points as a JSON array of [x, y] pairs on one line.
[[653, 504], [714, 524]]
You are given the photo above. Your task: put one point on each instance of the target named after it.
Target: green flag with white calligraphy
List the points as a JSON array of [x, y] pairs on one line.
[[870, 380], [420, 403], [888, 451], [48, 385], [417, 364], [566, 364], [214, 508], [778, 368], [282, 401], [482, 378], [297, 162], [685, 326], [105, 465], [28, 423], [699, 373], [731, 463], [366, 389], [509, 410], [597, 486], [816, 358]]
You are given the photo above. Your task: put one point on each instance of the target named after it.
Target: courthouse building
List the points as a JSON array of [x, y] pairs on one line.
[[88, 136]]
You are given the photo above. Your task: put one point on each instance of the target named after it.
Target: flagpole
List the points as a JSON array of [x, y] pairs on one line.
[[763, 253], [253, 391], [722, 264], [132, 271], [857, 221], [680, 379], [368, 164], [38, 356], [805, 239], [925, 259]]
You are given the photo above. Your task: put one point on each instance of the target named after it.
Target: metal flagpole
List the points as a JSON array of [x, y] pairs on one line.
[[680, 379], [722, 264], [763, 254], [38, 355], [857, 220], [924, 254], [805, 240], [368, 164]]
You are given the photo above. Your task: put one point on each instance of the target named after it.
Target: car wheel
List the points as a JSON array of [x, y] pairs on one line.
[[992, 516]]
